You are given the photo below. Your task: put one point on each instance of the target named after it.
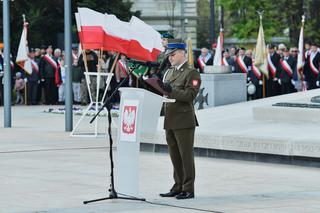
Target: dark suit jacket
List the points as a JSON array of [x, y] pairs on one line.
[[275, 58], [248, 63], [309, 74], [284, 76]]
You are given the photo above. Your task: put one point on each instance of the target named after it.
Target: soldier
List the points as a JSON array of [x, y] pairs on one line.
[[92, 62], [162, 59], [287, 69], [311, 66], [182, 83], [272, 85]]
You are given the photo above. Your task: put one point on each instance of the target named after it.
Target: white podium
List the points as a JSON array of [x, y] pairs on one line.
[[139, 112]]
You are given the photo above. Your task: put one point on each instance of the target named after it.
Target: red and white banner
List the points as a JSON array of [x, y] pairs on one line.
[[129, 115], [242, 65], [256, 71], [35, 66], [286, 67], [55, 65], [201, 63], [312, 66], [225, 62], [123, 67], [271, 66], [135, 39]]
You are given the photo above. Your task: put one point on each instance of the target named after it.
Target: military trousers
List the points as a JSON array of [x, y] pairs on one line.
[[180, 144]]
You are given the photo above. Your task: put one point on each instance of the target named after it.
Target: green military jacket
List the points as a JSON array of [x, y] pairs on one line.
[[185, 84]]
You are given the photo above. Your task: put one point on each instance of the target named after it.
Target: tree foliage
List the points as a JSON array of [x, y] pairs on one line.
[[203, 29], [46, 18], [280, 17]]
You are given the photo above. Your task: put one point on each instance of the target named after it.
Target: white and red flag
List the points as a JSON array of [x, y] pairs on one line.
[[135, 39], [23, 59], [217, 60], [301, 55]]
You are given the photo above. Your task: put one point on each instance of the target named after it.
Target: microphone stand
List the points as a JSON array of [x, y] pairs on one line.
[[112, 191]]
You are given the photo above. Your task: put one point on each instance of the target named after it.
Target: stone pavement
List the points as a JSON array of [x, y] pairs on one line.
[[44, 170]]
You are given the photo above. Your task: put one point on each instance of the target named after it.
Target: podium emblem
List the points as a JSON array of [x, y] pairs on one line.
[[129, 119]]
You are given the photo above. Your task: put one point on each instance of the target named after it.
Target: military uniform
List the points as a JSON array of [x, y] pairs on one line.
[[179, 124], [92, 62]]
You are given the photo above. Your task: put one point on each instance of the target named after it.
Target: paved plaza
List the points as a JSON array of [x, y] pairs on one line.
[[44, 170]]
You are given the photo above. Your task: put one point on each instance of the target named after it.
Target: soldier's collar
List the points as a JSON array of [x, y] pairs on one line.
[[180, 67]]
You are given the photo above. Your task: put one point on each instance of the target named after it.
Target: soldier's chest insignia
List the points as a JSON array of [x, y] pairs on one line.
[[195, 83]]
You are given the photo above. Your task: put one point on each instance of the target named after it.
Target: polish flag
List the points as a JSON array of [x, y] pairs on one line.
[[146, 42], [89, 26], [103, 31]]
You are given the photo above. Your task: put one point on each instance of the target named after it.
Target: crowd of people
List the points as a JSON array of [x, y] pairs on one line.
[[46, 84], [284, 77]]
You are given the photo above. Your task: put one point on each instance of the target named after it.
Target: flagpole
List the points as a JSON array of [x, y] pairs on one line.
[[303, 86], [114, 62], [25, 73], [263, 76], [6, 64]]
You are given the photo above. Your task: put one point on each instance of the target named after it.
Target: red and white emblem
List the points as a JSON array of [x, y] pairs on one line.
[[129, 119], [195, 83]]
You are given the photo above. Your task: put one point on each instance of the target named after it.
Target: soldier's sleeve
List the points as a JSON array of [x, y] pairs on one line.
[[190, 90]]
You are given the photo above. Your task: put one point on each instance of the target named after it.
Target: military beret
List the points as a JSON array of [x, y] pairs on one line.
[[31, 50], [175, 46]]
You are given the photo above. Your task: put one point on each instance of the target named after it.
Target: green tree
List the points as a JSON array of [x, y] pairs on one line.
[[203, 29], [46, 18], [279, 16], [245, 19]]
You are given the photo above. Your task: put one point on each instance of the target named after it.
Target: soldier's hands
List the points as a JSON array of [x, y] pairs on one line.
[[318, 84], [165, 86], [279, 81], [293, 82]]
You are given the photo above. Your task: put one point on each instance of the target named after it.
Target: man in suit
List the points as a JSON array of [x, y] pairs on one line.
[[49, 72], [204, 59], [243, 63], [272, 85], [227, 60], [311, 66], [182, 83], [255, 76], [287, 68]]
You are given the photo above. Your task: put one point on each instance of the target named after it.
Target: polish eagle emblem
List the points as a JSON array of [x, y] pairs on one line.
[[129, 119]]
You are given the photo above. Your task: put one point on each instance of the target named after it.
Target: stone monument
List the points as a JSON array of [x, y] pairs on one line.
[[220, 87]]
